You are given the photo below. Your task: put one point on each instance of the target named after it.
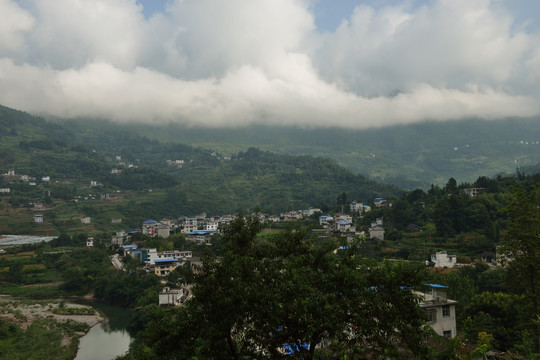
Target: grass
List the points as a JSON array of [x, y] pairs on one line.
[[44, 292]]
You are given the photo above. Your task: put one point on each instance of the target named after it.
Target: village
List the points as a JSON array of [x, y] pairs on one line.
[[200, 229]]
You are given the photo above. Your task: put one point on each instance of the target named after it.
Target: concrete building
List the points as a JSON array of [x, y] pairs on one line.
[[171, 297], [441, 311], [442, 259], [164, 267], [472, 192], [163, 231], [376, 230]]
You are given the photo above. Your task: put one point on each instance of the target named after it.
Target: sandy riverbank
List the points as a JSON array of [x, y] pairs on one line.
[[23, 313]]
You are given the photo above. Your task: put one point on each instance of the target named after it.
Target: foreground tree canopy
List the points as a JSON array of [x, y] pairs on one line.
[[522, 249], [290, 297]]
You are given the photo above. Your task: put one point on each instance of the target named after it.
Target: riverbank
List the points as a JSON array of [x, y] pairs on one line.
[[50, 326]]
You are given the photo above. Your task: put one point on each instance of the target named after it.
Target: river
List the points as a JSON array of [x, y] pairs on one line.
[[23, 239], [107, 340]]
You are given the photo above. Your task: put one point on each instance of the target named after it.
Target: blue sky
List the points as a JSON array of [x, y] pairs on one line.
[[350, 63], [330, 13]]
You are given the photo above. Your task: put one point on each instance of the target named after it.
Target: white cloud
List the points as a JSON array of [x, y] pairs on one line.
[[449, 44], [71, 33], [14, 23], [237, 62]]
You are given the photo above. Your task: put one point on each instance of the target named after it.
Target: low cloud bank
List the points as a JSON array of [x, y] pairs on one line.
[[241, 62]]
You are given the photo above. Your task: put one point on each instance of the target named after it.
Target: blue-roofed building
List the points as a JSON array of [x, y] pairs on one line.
[[164, 267], [345, 226], [441, 311], [325, 220]]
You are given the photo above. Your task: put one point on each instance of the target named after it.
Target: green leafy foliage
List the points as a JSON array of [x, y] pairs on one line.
[[261, 296], [523, 250]]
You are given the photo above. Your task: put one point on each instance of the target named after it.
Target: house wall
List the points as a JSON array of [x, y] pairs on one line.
[[164, 269], [442, 259], [376, 233], [443, 324]]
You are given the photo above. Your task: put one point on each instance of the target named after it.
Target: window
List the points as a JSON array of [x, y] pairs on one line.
[[432, 316], [446, 310], [447, 334]]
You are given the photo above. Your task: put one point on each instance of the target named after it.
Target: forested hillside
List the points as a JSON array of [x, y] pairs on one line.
[[105, 171], [410, 156]]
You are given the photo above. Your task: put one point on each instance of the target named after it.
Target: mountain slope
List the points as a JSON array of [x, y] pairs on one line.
[[107, 171], [409, 156]]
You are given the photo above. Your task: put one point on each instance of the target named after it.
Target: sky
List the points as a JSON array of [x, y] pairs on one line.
[[320, 63]]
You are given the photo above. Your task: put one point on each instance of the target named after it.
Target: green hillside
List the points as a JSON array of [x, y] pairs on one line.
[[410, 156], [106, 171]]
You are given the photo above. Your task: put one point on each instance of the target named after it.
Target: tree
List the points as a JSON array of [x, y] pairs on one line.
[[523, 248], [498, 314], [289, 297]]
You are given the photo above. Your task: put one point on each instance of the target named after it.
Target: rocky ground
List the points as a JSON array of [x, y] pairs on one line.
[[23, 313]]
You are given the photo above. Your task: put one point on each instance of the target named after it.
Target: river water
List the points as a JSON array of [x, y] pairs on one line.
[[107, 340], [23, 239]]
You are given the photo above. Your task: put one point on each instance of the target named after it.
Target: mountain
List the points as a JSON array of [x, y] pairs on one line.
[[108, 171], [407, 156]]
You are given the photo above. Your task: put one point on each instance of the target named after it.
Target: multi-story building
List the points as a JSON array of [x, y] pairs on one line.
[[164, 267], [441, 311]]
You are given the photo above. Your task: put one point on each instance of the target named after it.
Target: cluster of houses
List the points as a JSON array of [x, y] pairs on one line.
[[162, 263], [30, 180], [200, 228]]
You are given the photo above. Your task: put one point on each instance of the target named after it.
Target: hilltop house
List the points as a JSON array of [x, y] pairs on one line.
[[442, 259], [376, 231], [472, 192]]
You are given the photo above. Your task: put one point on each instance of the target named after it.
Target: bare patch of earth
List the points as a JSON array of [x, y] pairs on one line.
[[24, 313]]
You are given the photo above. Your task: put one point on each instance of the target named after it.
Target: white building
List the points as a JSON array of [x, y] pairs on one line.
[[440, 310], [442, 259], [376, 231], [472, 192], [325, 220], [211, 226], [172, 297]]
